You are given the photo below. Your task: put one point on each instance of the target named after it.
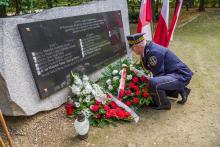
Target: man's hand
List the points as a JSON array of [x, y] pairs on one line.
[[139, 73]]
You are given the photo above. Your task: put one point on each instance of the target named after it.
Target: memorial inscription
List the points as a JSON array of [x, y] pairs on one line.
[[81, 43]]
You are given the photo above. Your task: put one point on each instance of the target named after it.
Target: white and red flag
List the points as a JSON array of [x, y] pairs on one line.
[[145, 19], [174, 21], [161, 34]]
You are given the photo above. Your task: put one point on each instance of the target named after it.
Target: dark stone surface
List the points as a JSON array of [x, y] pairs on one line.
[[81, 43]]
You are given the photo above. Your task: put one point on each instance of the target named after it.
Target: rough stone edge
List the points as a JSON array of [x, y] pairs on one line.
[[1, 45], [4, 92], [5, 98]]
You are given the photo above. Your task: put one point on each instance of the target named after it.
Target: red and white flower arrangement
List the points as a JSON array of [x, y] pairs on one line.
[[122, 90], [96, 105], [136, 86]]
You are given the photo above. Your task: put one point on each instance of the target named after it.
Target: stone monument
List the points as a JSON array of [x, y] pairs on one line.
[[37, 51]]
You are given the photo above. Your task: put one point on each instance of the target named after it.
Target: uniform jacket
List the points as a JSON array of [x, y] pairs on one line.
[[161, 61]]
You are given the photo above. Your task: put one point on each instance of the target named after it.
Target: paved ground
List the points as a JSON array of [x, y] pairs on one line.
[[195, 124]]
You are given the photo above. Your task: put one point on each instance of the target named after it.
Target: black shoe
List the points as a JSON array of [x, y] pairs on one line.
[[184, 96], [162, 107]]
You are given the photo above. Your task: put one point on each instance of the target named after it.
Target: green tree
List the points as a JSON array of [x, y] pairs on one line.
[[17, 7], [3, 5], [49, 3], [153, 10], [156, 12], [202, 6]]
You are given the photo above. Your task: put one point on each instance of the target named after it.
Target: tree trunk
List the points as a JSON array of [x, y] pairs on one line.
[[191, 4], [56, 2], [202, 6], [176, 3], [156, 9], [17, 7], [3, 11], [153, 10], [187, 5], [49, 4]]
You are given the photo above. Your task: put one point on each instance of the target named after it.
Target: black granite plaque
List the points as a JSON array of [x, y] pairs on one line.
[[83, 44]]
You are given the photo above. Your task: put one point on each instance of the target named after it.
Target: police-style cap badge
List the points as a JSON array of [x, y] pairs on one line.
[[135, 39]]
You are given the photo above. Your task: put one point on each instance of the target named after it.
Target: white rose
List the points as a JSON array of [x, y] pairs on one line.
[[132, 68], [120, 73], [124, 65], [80, 99], [85, 78], [77, 104], [129, 77], [114, 72], [86, 112], [77, 80], [87, 99], [110, 87], [75, 90], [109, 81], [84, 92], [88, 87], [104, 102], [98, 93], [115, 78]]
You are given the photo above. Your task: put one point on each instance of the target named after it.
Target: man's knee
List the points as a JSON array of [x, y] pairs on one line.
[[153, 84]]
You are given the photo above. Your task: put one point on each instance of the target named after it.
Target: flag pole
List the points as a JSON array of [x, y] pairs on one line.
[[152, 30], [152, 24]]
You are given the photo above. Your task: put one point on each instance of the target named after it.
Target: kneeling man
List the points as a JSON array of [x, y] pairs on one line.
[[170, 74]]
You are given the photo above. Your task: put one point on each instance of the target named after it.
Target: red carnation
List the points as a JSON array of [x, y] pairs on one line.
[[97, 102], [94, 108], [121, 94], [127, 114], [121, 114], [131, 85], [136, 88], [144, 79], [145, 89], [98, 116], [135, 100], [106, 107], [135, 79], [128, 92], [128, 103], [108, 96], [113, 104], [138, 93], [108, 115], [146, 94]]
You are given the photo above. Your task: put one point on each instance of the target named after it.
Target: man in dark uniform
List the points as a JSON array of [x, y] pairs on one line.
[[170, 74]]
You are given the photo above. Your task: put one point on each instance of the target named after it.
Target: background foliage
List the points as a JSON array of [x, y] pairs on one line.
[[18, 7], [134, 7]]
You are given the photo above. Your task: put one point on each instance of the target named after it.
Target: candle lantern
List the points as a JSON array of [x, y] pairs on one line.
[[82, 126], [69, 106]]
